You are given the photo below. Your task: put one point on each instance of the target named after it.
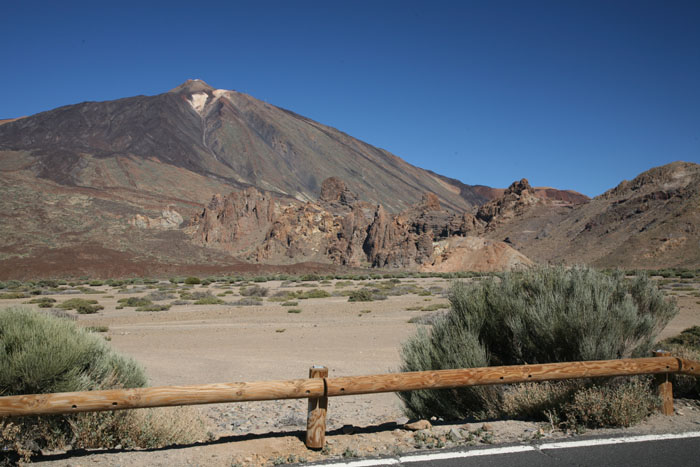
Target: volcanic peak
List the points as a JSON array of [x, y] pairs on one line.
[[192, 86]]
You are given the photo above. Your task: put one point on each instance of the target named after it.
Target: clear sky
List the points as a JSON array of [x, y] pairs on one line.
[[570, 94]]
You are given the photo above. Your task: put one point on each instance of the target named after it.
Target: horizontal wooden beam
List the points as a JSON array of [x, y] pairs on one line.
[[116, 399], [443, 379], [164, 396], [689, 367]]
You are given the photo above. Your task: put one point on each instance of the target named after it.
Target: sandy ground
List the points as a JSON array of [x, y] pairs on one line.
[[197, 344]]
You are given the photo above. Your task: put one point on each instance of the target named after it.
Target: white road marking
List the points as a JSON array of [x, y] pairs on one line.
[[629, 439], [514, 449]]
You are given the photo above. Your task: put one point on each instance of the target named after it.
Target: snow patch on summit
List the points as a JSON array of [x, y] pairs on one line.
[[198, 100]]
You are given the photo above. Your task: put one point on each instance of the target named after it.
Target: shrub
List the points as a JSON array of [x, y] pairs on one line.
[[88, 309], [254, 291], [43, 302], [247, 301], [294, 310], [192, 280], [362, 295], [313, 293], [623, 404], [74, 303], [134, 302], [153, 307], [12, 295], [534, 316], [41, 354], [159, 295], [289, 303], [209, 300]]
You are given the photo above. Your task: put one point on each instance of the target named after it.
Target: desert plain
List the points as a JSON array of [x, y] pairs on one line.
[[279, 337]]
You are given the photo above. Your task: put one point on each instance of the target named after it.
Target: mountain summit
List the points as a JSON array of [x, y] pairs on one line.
[[225, 136]]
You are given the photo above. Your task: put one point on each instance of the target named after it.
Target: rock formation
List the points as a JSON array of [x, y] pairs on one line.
[[345, 231]]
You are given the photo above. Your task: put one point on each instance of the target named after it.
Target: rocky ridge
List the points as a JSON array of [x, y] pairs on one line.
[[651, 221], [344, 230]]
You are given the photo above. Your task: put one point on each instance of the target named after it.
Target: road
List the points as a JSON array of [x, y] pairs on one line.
[[638, 451]]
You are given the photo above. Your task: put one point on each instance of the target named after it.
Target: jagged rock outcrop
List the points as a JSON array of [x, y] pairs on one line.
[[339, 229], [516, 200], [237, 222], [333, 190]]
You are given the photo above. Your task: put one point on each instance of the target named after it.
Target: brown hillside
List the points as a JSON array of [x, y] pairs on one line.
[[650, 222]]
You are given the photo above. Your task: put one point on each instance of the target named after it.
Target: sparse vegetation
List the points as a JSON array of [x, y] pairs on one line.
[[365, 295], [134, 302], [75, 303], [254, 291], [153, 307], [534, 316]]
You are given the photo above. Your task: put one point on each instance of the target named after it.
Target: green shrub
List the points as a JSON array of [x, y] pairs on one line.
[[289, 303], [534, 316], [12, 295], [362, 295], [74, 303], [43, 302], [294, 310], [208, 300], [313, 293], [192, 280], [43, 354], [153, 307], [134, 302], [88, 309]]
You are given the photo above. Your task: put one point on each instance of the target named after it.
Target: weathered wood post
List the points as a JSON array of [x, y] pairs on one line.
[[316, 421], [664, 387]]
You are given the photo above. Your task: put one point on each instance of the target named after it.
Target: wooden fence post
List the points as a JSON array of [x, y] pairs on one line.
[[664, 387], [316, 420]]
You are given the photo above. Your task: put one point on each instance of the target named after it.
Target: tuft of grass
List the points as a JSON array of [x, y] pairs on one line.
[[294, 310]]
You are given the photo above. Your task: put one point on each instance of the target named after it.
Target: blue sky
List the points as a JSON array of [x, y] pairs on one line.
[[570, 94]]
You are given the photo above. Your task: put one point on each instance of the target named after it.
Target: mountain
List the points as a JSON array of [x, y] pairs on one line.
[[100, 188], [210, 180], [652, 221], [225, 136]]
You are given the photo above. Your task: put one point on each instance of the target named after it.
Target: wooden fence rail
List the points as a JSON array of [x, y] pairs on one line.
[[319, 387]]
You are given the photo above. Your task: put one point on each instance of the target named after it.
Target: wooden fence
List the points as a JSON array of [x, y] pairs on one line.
[[319, 387]]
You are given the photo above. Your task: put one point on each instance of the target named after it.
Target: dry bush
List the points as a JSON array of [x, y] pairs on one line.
[[623, 404]]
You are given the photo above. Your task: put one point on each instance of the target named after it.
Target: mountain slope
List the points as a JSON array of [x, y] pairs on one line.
[[223, 135], [652, 221]]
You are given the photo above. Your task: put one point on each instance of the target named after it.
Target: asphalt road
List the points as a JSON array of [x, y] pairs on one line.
[[631, 451]]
